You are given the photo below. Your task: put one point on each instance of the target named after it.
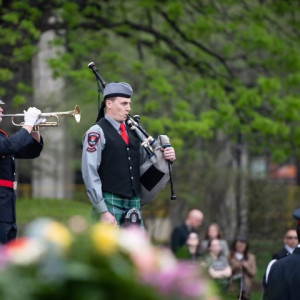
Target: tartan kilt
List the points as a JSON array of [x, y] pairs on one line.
[[117, 206]]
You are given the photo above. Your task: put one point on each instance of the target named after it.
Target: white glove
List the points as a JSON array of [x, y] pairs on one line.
[[40, 121], [31, 116]]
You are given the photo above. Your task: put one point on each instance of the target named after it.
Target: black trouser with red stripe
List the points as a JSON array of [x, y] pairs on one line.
[[8, 227]]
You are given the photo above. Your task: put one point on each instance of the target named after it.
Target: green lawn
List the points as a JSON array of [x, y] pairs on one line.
[[59, 210]]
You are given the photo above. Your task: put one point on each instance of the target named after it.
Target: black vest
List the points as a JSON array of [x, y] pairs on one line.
[[119, 168]]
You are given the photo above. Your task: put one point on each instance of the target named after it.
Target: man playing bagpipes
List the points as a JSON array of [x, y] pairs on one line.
[[111, 159]]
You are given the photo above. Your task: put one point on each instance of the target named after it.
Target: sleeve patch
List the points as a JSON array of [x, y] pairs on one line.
[[93, 139]]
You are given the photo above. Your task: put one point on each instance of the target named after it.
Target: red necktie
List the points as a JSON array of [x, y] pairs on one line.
[[124, 133]]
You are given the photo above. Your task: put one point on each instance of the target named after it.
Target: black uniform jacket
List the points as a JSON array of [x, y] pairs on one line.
[[284, 278], [179, 237], [19, 145], [281, 253]]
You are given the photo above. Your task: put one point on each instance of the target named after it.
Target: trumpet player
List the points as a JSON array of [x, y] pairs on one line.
[[25, 143], [111, 157]]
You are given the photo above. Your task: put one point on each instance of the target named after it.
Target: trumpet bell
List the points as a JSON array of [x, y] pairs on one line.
[[77, 114]]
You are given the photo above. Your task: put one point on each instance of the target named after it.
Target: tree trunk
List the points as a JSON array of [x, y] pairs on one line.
[[52, 177], [241, 188], [226, 194], [225, 202]]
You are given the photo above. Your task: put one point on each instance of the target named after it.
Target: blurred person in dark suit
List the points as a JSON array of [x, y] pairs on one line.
[[180, 233], [282, 277], [290, 241]]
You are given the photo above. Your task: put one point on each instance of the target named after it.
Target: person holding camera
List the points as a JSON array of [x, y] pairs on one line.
[[243, 264]]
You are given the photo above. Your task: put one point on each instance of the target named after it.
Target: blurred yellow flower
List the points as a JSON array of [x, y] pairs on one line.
[[59, 235], [105, 238]]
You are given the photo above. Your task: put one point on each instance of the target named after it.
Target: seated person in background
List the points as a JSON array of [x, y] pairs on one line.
[[290, 241], [243, 265], [216, 263], [191, 250], [193, 245], [213, 231]]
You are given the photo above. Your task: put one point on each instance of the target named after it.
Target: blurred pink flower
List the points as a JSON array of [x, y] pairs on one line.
[[158, 267], [133, 239], [147, 258], [181, 281], [144, 261]]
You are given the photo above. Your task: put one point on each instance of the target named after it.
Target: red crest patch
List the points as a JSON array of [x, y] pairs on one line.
[[93, 139]]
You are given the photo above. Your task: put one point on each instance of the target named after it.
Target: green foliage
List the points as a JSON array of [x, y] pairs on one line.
[[17, 100], [71, 14], [24, 53], [5, 74], [197, 68], [12, 17], [22, 87]]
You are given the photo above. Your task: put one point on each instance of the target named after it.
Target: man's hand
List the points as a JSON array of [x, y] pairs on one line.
[[107, 217], [169, 153]]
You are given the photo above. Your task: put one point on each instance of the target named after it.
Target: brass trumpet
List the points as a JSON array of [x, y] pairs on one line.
[[72, 113]]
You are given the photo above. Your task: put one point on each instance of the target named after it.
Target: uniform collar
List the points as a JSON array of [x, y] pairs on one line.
[[113, 122], [289, 249]]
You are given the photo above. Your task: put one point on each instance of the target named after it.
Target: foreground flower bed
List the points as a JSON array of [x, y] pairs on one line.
[[104, 262]]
